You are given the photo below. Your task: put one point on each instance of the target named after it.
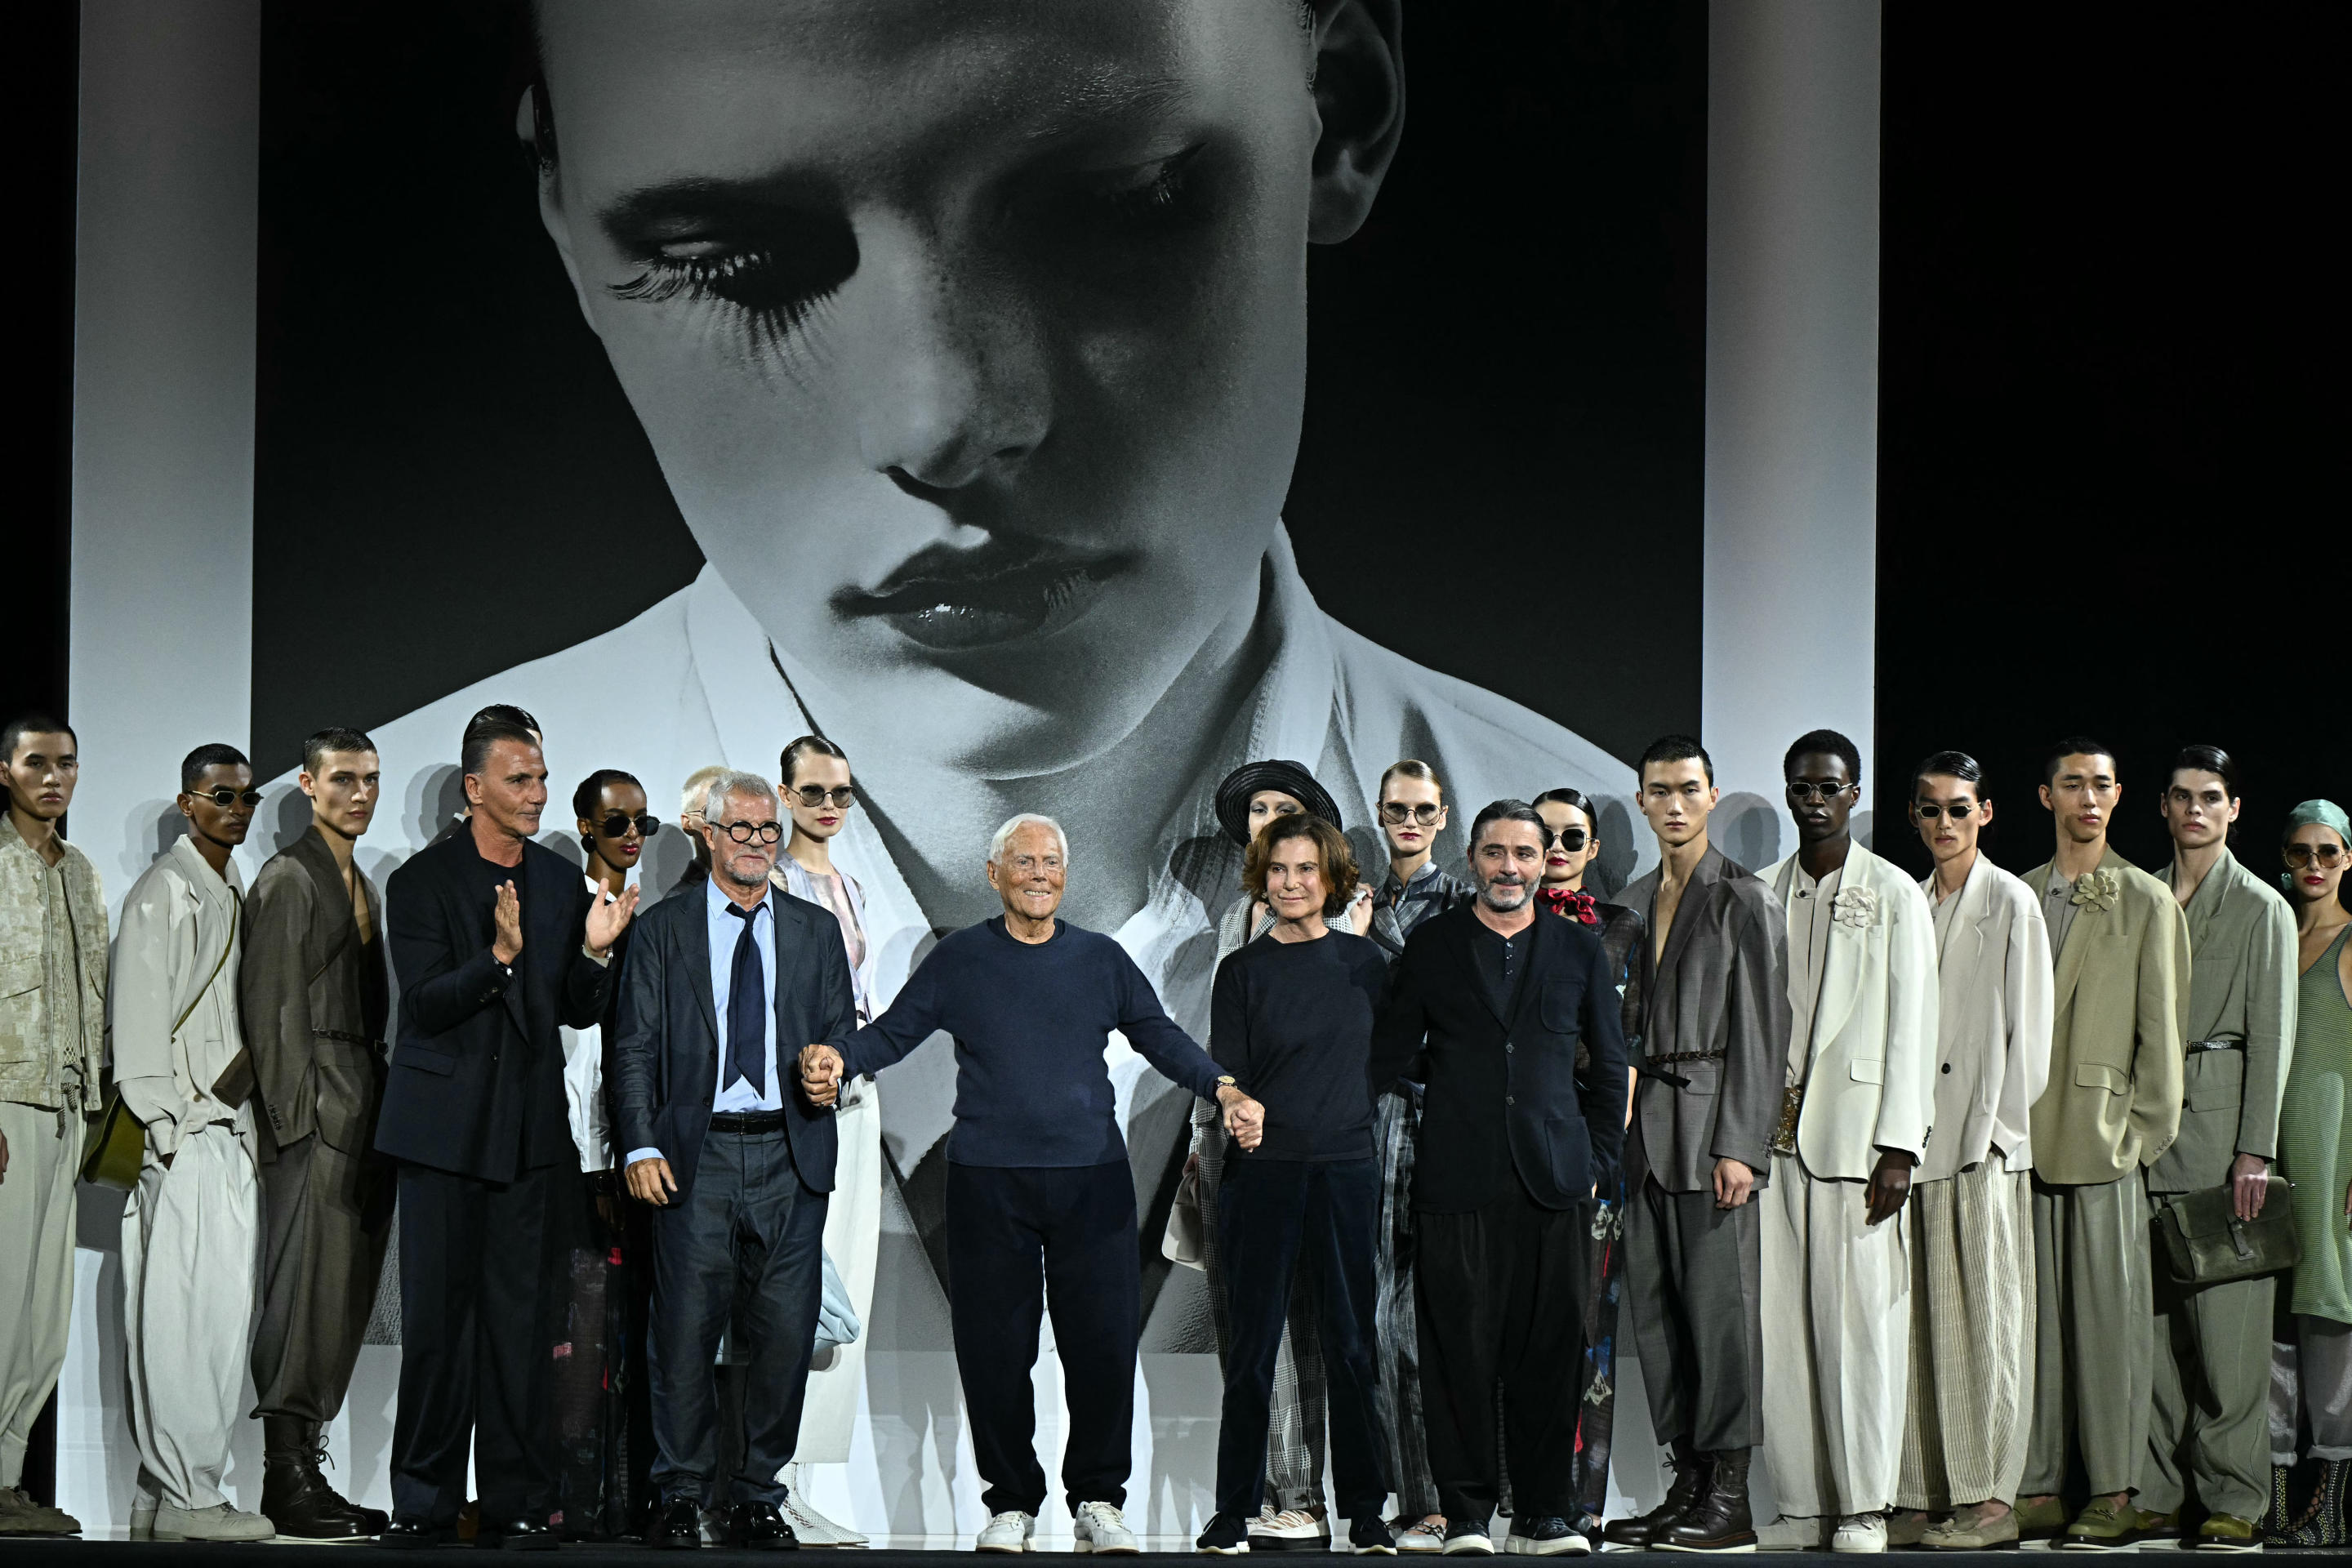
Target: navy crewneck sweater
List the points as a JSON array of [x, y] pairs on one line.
[[1031, 1021]]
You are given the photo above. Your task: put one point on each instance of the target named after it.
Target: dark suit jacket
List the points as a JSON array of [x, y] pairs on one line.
[[476, 1084], [1496, 1083], [1721, 990], [666, 1043], [313, 1001]]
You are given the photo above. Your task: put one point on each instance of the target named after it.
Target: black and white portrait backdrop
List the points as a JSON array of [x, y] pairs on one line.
[[1053, 404]]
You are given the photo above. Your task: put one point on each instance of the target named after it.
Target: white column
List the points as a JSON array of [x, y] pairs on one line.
[[161, 641], [162, 431], [1791, 498]]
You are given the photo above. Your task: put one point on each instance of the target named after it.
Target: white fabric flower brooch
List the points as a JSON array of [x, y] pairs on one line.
[[1857, 907]]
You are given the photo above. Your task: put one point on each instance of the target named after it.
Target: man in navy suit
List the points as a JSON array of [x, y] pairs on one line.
[[496, 943], [725, 983]]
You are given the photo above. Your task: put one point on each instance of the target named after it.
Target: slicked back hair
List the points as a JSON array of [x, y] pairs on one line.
[[2074, 746], [1508, 811], [1822, 743], [334, 738], [789, 764], [219, 755], [504, 713], [1950, 764], [585, 798], [1333, 855], [1410, 768], [13, 733], [1674, 748], [2208, 760], [484, 733]]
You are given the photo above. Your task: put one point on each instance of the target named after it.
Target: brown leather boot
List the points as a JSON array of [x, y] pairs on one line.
[[1644, 1529], [1718, 1521], [296, 1497]]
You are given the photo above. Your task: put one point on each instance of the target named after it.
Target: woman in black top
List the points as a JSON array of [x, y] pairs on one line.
[[1575, 843], [1291, 1018]]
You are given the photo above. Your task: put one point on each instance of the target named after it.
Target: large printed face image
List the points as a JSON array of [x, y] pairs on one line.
[[972, 344]]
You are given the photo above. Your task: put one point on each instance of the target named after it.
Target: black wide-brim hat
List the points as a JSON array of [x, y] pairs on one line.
[[1290, 778]]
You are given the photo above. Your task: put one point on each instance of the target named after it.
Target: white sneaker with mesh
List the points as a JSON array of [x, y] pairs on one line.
[[809, 1527], [1100, 1527], [1421, 1535], [1011, 1530], [1291, 1526]]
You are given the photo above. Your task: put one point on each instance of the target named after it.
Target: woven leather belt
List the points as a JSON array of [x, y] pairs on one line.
[[747, 1121], [1655, 1066], [1686, 1057]]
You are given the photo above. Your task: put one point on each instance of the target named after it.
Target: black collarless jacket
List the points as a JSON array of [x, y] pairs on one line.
[[477, 1080], [665, 1039], [1502, 1093]]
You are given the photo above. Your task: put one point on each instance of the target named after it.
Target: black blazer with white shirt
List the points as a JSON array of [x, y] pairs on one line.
[[666, 1035], [1502, 1092]]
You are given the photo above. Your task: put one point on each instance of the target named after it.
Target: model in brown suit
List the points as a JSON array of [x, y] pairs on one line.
[[314, 989]]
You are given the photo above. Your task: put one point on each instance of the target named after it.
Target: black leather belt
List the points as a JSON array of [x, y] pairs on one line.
[[2223, 1043], [747, 1121], [347, 1037]]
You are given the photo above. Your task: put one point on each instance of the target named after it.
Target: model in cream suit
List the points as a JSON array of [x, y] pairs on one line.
[[1971, 1216], [1862, 992], [2208, 1418], [191, 1232], [1715, 1034], [2113, 1107]]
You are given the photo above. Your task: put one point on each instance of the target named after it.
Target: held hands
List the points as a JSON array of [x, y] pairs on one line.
[[506, 944], [821, 1067], [651, 1182], [607, 919], [1245, 1117], [1890, 1184], [1733, 1178], [2250, 1184]]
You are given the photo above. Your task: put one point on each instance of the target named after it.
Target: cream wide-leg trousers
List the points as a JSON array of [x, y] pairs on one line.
[[853, 1239], [1837, 1344], [191, 1260], [37, 1269]]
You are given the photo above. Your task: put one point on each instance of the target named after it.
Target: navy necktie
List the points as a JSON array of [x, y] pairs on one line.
[[747, 1008]]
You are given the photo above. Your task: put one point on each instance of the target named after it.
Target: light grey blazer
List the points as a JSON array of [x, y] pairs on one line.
[[1720, 987], [1997, 995]]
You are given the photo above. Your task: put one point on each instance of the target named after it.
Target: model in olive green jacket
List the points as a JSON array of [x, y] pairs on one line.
[[2116, 1038]]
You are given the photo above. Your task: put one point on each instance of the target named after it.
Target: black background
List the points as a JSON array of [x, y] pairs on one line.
[[2112, 410], [1513, 347]]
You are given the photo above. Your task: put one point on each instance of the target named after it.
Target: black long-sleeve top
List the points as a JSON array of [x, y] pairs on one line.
[[1293, 1023]]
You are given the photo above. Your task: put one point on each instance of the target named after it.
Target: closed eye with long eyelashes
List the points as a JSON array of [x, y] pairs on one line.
[[775, 285]]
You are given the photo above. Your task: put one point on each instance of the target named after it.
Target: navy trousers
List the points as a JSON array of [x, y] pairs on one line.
[[747, 1240], [1022, 1241], [1276, 1218]]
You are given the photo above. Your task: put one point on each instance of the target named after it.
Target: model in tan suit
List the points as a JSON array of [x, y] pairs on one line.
[[1837, 1279], [2113, 1107], [2207, 1418], [1971, 1404]]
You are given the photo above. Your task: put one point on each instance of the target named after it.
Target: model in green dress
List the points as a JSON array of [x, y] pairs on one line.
[[2315, 1154]]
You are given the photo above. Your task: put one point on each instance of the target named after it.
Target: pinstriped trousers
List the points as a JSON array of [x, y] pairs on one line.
[[1972, 1320]]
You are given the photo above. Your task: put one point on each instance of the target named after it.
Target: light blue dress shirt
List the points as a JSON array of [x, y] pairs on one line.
[[726, 930]]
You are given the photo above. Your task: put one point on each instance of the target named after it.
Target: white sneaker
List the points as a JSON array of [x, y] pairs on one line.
[[1421, 1536], [218, 1522], [1100, 1527], [809, 1527], [1860, 1532], [1291, 1526], [1011, 1530]]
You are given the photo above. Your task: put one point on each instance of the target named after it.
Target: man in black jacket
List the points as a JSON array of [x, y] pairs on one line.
[[1488, 1006], [496, 943], [726, 983]]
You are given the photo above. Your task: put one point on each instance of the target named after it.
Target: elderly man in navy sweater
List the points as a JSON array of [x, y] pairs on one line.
[[1036, 1168]]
